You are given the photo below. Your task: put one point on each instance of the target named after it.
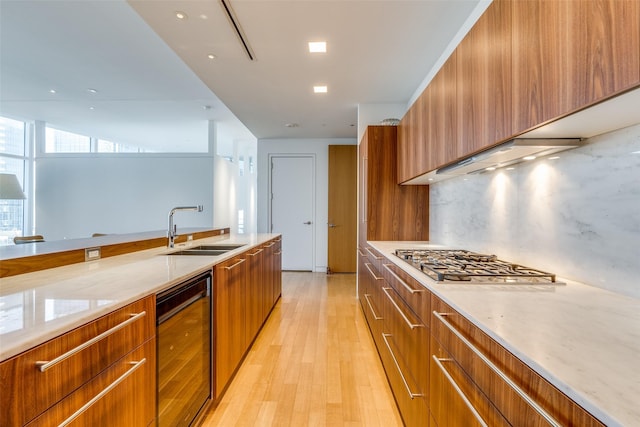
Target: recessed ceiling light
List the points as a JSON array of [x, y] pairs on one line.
[[203, 16], [635, 152], [292, 125], [52, 91], [92, 108], [318, 47], [92, 90], [554, 158], [206, 107], [492, 168], [529, 158], [181, 15], [510, 168], [320, 89], [211, 56]]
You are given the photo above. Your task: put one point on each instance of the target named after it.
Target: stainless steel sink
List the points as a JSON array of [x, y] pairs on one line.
[[207, 250]]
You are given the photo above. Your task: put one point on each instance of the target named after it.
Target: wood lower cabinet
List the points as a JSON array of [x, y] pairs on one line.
[[53, 392], [230, 317], [246, 288], [487, 373], [122, 395]]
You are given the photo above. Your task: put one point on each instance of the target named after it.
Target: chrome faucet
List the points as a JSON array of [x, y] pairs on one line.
[[174, 228]]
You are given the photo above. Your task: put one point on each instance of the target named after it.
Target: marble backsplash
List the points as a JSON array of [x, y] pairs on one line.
[[577, 216]]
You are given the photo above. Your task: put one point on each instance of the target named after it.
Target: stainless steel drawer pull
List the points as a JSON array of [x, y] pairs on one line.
[[497, 371], [361, 253], [409, 288], [256, 252], [270, 244], [372, 254], [100, 395], [235, 265], [453, 383], [375, 316], [45, 365], [407, 321], [412, 395], [372, 273], [278, 253]]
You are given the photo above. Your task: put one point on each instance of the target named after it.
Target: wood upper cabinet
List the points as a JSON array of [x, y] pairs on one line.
[[386, 210], [440, 107], [483, 65], [32, 390], [568, 55]]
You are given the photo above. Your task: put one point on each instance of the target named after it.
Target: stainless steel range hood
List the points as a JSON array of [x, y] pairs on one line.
[[511, 152]]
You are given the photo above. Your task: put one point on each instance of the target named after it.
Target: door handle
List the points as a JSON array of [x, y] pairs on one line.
[[332, 225], [307, 223]]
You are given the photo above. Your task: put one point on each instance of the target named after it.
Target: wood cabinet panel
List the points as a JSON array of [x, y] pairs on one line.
[[388, 211], [483, 75], [230, 319], [540, 62], [605, 45], [511, 404], [129, 403], [32, 391], [417, 297], [258, 280], [442, 116]]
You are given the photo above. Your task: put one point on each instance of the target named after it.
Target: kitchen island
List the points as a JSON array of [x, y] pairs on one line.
[[583, 340], [44, 304]]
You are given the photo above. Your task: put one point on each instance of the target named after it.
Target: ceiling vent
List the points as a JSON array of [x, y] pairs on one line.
[[233, 20]]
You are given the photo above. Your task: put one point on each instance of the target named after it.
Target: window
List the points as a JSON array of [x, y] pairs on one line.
[[12, 160], [104, 146], [59, 141]]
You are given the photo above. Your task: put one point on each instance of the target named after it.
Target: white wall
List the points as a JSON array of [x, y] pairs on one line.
[[77, 196], [320, 149], [577, 216], [373, 114]]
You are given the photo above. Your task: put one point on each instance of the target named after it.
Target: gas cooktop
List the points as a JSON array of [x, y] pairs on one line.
[[461, 266]]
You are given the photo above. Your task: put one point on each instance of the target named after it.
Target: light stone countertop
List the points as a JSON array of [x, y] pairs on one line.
[[38, 306], [582, 339]]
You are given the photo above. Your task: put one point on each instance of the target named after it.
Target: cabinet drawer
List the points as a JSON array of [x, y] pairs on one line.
[[411, 291], [375, 257], [120, 396], [455, 400], [404, 350], [518, 392], [90, 348]]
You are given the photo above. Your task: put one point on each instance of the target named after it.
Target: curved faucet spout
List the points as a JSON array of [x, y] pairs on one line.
[[173, 228]]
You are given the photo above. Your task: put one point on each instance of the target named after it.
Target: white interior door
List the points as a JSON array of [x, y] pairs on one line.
[[292, 209]]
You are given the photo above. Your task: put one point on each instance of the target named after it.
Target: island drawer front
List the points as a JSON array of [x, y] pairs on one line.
[[411, 291], [117, 397], [517, 391], [33, 391]]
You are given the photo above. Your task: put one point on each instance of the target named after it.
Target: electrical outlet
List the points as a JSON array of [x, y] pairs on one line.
[[221, 232], [91, 254], [189, 237]]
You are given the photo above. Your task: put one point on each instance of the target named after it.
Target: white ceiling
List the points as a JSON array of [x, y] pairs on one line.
[[153, 76]]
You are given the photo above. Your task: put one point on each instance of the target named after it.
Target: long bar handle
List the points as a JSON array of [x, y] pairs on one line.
[[375, 316], [372, 254], [497, 371], [406, 319], [372, 273], [100, 395], [412, 395], [361, 253], [270, 244], [236, 264], [453, 383], [45, 365], [256, 252], [278, 253], [409, 288]]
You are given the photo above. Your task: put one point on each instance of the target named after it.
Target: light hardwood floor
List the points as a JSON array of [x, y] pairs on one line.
[[313, 364]]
